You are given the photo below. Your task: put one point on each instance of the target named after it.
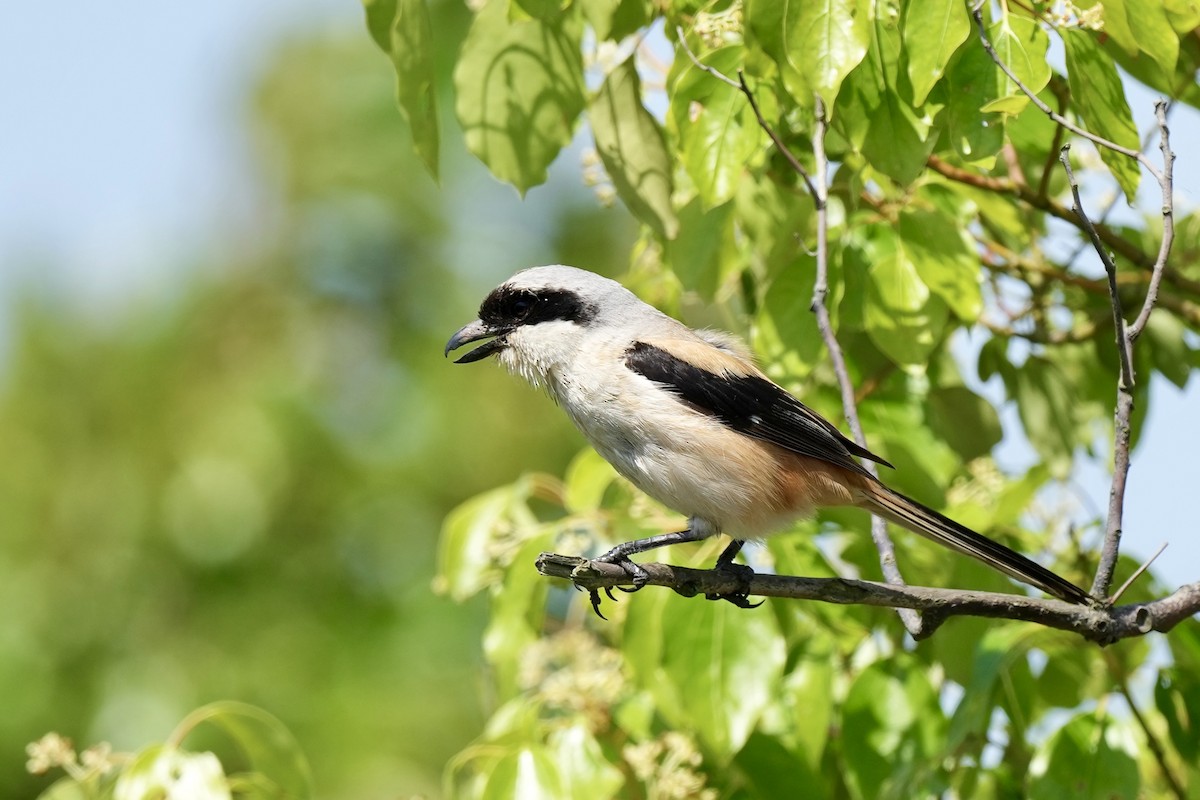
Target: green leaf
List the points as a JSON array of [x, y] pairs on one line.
[[265, 743], [615, 19], [891, 723], [588, 478], [945, 259], [69, 789], [718, 132], [933, 31], [518, 611], [524, 772], [1096, 87], [545, 10], [1142, 28], [402, 29], [816, 43], [1021, 44], [1082, 763], [695, 254], [631, 145], [880, 116], [465, 562], [519, 89], [785, 330], [712, 668], [1177, 697], [1045, 405], [1168, 348], [585, 772], [967, 87], [902, 316], [967, 422]]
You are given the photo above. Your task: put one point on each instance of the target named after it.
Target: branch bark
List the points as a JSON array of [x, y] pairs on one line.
[[1103, 625]]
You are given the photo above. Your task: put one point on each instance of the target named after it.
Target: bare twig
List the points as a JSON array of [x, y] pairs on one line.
[[1111, 546], [1099, 624], [1110, 269], [1137, 573], [1125, 338], [819, 188], [1166, 181]]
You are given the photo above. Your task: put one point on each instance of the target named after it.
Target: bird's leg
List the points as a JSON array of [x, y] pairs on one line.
[[621, 553], [725, 563]]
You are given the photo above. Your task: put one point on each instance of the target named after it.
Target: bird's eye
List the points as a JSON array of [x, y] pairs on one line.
[[522, 305]]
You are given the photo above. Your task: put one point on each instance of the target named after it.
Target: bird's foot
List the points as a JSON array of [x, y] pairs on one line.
[[740, 597], [636, 574]]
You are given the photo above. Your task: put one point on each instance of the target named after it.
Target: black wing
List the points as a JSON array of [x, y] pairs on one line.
[[750, 405]]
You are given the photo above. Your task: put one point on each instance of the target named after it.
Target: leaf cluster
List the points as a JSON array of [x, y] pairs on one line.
[[955, 263]]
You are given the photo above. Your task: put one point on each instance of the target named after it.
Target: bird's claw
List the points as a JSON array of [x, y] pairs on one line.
[[740, 597], [638, 575]]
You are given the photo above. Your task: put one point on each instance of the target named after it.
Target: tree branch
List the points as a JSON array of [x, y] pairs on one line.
[[1098, 624], [1110, 549]]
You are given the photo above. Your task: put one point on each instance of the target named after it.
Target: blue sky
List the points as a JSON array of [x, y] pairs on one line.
[[123, 147]]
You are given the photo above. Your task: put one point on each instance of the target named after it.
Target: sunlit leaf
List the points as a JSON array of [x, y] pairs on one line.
[[519, 89], [903, 317], [891, 722], [718, 132], [1021, 44], [402, 29], [465, 552], [815, 44], [944, 258], [933, 31], [631, 145], [524, 772], [1081, 762], [583, 767], [712, 667], [265, 743], [695, 254], [615, 19], [1097, 88]]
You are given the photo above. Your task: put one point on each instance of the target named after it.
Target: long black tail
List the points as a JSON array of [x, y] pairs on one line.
[[908, 513]]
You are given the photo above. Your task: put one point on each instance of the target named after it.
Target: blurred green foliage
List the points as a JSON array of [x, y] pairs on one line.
[[235, 492]]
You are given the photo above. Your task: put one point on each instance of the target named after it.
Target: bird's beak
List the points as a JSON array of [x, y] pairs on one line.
[[473, 332]]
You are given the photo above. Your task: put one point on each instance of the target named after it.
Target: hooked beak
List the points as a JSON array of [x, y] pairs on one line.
[[473, 332]]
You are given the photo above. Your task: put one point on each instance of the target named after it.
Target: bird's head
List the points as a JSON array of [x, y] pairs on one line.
[[537, 320]]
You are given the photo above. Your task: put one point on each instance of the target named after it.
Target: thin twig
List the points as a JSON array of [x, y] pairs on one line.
[[977, 13], [1110, 269], [1137, 573], [1166, 181], [1101, 624], [1111, 546], [879, 533]]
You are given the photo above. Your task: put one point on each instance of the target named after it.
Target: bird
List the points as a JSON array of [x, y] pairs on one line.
[[688, 418]]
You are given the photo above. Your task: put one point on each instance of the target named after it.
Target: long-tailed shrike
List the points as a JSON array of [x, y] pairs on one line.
[[689, 419]]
